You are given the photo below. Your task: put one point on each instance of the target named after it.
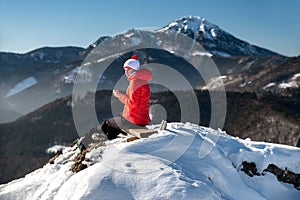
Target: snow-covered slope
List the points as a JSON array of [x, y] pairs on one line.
[[181, 162], [23, 85], [291, 82]]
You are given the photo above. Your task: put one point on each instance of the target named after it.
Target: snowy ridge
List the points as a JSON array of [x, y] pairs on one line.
[[83, 75], [293, 82], [136, 170]]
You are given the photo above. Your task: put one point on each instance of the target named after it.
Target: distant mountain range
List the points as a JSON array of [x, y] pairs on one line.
[[262, 90], [54, 69], [29, 80]]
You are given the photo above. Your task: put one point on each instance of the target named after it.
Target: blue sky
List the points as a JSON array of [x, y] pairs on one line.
[[27, 25]]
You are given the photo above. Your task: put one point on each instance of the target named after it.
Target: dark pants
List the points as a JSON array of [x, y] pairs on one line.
[[110, 129], [114, 126]]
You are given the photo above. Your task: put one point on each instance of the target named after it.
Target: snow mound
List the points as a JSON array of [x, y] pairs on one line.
[[186, 161]]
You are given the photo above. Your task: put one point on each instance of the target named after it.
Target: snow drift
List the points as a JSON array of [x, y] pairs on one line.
[[159, 168]]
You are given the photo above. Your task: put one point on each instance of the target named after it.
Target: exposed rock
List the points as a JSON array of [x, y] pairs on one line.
[[250, 169], [78, 165], [283, 175]]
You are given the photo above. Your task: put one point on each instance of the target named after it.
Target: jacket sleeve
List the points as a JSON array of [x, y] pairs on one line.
[[132, 98], [123, 98]]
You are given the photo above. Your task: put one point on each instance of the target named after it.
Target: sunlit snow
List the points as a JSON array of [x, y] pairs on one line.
[[141, 170]]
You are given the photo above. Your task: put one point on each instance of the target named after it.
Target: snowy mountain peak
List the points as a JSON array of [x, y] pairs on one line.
[[194, 26], [167, 165], [214, 39]]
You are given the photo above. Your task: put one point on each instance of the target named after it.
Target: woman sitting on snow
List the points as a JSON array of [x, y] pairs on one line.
[[136, 103]]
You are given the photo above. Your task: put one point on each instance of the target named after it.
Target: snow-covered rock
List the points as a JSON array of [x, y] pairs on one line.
[[185, 161]]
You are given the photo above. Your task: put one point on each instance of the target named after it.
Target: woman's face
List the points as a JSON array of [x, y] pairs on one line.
[[128, 71]]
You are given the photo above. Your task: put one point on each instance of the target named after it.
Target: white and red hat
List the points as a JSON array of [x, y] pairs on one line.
[[132, 63]]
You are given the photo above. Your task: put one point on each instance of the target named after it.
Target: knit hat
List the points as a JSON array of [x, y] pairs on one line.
[[132, 63]]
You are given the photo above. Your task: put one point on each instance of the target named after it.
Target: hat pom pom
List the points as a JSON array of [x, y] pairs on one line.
[[134, 57]]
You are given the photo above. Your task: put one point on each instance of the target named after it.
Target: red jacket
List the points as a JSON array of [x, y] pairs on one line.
[[137, 98]]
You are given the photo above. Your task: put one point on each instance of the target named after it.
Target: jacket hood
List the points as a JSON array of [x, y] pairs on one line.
[[143, 74]]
